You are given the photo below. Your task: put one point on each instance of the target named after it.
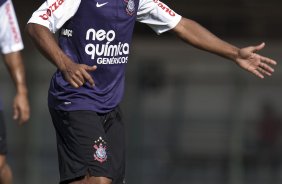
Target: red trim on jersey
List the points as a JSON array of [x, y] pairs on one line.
[[165, 8], [14, 30], [52, 9]]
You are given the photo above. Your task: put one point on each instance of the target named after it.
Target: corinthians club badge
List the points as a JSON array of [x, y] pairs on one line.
[[100, 154], [130, 7]]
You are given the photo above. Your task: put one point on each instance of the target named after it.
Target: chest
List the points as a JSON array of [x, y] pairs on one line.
[[107, 10]]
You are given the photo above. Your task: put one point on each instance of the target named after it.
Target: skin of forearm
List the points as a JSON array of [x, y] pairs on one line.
[[196, 35], [13, 62], [47, 44]]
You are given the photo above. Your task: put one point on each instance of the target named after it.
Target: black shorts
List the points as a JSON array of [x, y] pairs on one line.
[[90, 143], [3, 141]]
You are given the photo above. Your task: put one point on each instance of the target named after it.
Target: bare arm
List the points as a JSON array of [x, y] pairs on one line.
[[75, 74], [196, 35], [15, 66]]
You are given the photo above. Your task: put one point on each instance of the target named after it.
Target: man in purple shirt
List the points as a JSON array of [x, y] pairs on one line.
[[91, 55]]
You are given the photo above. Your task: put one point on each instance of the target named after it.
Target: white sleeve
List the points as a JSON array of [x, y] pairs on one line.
[[10, 36], [157, 15], [53, 14]]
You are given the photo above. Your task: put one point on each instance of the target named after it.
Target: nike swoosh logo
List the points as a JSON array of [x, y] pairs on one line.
[[100, 5]]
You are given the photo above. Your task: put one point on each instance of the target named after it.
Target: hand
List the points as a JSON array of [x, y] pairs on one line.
[[255, 63], [77, 74], [21, 108]]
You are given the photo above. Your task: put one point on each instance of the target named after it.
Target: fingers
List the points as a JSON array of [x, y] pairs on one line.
[[16, 113], [258, 47], [73, 83], [265, 72], [269, 61], [81, 75], [264, 61], [90, 68], [88, 78], [78, 79], [262, 69], [21, 114], [24, 117], [266, 67], [248, 51], [257, 73], [256, 63]]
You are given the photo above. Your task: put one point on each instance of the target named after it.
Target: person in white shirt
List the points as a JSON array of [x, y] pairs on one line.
[[10, 46]]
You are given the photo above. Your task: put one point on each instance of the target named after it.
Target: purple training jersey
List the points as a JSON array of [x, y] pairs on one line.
[[98, 32], [101, 37]]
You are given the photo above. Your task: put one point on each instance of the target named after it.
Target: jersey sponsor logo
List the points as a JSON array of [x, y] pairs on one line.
[[100, 5], [100, 150], [165, 8], [103, 50], [12, 23], [130, 7], [66, 32], [52, 9]]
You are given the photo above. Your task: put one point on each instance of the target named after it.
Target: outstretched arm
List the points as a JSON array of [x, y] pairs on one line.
[[196, 35], [75, 74], [15, 66]]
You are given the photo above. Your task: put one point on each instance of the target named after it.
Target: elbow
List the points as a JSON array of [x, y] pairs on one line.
[[181, 30], [36, 30], [29, 29], [33, 29]]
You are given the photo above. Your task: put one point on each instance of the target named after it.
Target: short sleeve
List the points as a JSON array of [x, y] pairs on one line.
[[10, 36], [53, 14], [157, 15]]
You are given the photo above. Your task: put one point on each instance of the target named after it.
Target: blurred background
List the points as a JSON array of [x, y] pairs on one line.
[[191, 117]]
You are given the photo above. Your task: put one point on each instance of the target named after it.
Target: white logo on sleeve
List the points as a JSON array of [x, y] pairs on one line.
[[100, 5], [66, 32]]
